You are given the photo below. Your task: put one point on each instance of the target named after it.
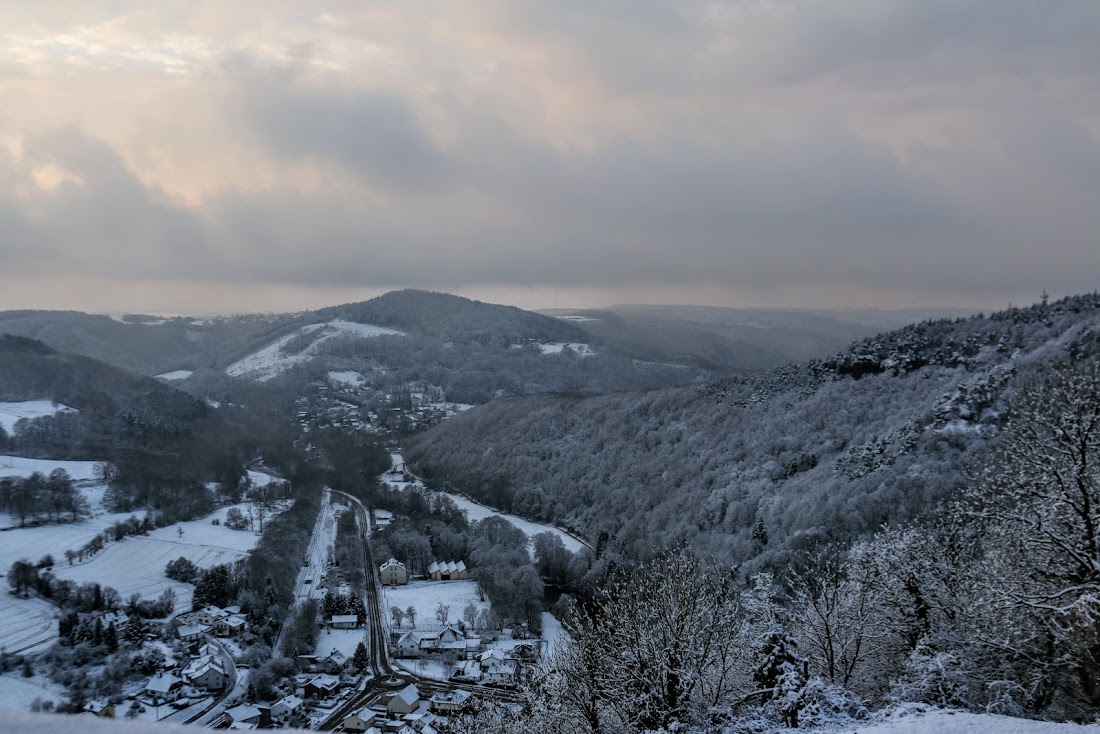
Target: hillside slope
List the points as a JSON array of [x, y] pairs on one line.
[[825, 450], [731, 339]]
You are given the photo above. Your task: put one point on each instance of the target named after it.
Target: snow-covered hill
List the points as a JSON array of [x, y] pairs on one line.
[[272, 360]]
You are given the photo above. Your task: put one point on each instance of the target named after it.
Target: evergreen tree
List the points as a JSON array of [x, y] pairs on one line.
[[361, 658]]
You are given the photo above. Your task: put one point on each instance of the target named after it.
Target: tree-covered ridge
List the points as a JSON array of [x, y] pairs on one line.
[[454, 318], [826, 450]]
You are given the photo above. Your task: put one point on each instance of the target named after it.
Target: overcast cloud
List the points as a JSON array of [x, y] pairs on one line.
[[280, 155]]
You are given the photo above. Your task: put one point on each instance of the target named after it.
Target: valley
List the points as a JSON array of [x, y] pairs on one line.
[[445, 498]]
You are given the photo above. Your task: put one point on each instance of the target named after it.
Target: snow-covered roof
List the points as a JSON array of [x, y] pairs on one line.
[[458, 697], [163, 683], [189, 630], [409, 695], [393, 563], [446, 567], [289, 703], [345, 618], [325, 681]]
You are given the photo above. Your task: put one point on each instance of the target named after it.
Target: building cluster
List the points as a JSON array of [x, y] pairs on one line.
[[212, 620], [407, 712], [470, 661]]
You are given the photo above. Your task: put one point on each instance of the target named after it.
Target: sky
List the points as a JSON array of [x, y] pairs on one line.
[[211, 156]]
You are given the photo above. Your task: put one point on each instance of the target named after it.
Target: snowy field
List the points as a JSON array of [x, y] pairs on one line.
[[952, 722], [18, 693], [558, 347], [269, 362], [176, 375], [17, 466], [347, 377], [136, 564], [425, 596], [343, 640], [10, 413], [477, 511]]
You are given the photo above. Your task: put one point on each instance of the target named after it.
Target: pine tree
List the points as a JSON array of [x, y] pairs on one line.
[[110, 637], [361, 658]]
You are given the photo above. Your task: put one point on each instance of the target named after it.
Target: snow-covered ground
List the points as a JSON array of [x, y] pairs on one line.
[[269, 362], [261, 479], [955, 722], [426, 596], [10, 413], [136, 564], [176, 375], [557, 347], [17, 466], [552, 631], [343, 640], [477, 511], [347, 377], [18, 693]]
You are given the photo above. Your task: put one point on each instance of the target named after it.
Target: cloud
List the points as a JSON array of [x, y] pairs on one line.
[[923, 147]]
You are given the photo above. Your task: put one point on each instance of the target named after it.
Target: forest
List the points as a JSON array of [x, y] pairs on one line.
[[989, 602], [755, 469]]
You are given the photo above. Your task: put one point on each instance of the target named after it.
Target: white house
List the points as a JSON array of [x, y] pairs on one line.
[[393, 573], [230, 626], [206, 672], [164, 688], [408, 646], [287, 710], [449, 703]]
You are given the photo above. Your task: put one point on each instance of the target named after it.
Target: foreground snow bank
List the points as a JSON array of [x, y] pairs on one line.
[[957, 722]]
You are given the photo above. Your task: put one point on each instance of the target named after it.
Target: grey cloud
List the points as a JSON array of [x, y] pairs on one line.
[[375, 134]]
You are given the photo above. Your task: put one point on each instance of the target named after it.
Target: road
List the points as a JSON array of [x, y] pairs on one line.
[[311, 573], [386, 678]]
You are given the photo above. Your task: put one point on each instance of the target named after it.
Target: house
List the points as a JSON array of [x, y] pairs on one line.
[[230, 626], [404, 701], [344, 621], [162, 689], [321, 686], [242, 717], [206, 672], [287, 710], [193, 632], [448, 571], [334, 662], [362, 720], [449, 641], [100, 708], [407, 646], [449, 703], [208, 615], [501, 673], [393, 573]]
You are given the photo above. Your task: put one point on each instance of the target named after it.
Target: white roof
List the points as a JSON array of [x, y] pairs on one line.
[[393, 563], [163, 683], [451, 696], [290, 702], [409, 694], [340, 618], [193, 629]]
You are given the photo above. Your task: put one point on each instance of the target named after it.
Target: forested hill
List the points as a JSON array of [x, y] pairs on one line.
[[754, 467], [454, 318], [142, 344]]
